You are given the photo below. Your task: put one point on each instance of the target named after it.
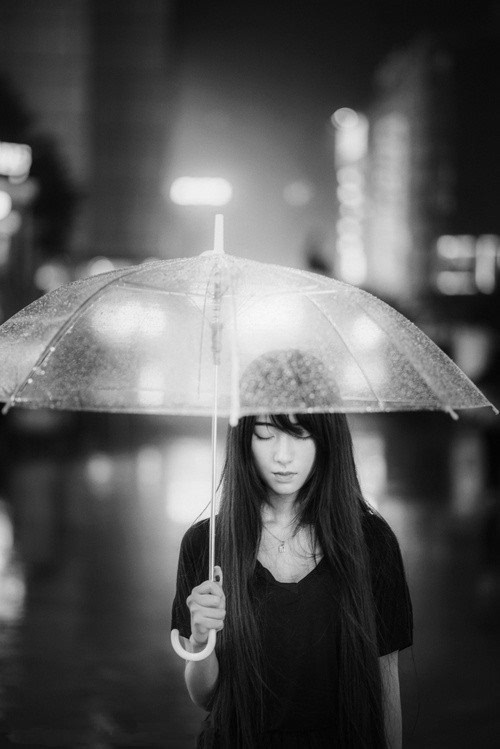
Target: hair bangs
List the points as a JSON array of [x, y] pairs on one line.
[[302, 422], [285, 424]]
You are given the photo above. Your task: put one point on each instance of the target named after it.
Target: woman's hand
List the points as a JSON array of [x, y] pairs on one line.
[[207, 604]]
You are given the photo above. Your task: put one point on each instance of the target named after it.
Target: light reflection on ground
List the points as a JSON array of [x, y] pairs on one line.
[[12, 585]]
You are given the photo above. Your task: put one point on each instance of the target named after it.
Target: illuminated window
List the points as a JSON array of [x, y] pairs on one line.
[[5, 204], [351, 135], [466, 264], [389, 237], [351, 146], [487, 259], [15, 160], [345, 118]]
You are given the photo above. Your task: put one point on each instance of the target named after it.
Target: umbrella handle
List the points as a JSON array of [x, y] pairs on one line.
[[186, 654]]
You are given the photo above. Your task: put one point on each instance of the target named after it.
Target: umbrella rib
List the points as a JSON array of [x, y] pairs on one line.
[[49, 348], [411, 359], [166, 292], [234, 410], [156, 289], [348, 348]]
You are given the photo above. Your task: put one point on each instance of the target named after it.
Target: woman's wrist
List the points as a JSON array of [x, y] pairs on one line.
[[197, 646]]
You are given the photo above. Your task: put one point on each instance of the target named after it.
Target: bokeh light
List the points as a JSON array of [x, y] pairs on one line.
[[211, 191]]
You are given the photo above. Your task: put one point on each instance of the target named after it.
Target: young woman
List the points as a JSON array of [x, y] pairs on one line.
[[313, 606]]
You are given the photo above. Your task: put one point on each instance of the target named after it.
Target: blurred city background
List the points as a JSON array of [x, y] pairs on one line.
[[358, 140]]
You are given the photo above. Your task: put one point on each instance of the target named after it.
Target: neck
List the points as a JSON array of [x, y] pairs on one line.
[[280, 509]]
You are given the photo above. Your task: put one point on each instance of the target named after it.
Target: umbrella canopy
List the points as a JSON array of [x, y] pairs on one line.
[[218, 335], [145, 340]]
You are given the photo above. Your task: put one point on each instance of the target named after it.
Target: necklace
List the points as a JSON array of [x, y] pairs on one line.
[[283, 541]]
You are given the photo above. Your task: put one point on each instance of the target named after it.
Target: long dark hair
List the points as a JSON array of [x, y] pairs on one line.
[[331, 503]]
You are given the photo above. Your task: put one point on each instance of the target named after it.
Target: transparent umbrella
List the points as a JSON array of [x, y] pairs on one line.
[[174, 337]]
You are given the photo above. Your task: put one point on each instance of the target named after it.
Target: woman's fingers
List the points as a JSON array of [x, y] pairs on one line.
[[204, 623], [218, 574], [208, 596], [207, 605], [209, 588], [198, 603], [207, 599]]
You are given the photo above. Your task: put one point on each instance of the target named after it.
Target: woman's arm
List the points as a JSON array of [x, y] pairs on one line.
[[391, 700], [207, 606], [200, 676]]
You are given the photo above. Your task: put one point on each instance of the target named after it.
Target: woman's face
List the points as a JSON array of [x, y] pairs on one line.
[[284, 461]]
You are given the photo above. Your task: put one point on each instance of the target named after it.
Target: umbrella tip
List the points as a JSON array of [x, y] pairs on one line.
[[218, 237], [219, 234]]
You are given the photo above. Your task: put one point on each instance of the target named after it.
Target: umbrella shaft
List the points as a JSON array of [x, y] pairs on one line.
[[211, 545], [216, 324]]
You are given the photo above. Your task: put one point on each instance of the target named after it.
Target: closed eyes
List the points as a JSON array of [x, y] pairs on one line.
[[303, 435]]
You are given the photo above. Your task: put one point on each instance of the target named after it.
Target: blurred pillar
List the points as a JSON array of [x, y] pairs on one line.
[[410, 187], [130, 106], [44, 52], [95, 74]]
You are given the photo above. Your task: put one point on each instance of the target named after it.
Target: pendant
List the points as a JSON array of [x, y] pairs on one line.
[[281, 547]]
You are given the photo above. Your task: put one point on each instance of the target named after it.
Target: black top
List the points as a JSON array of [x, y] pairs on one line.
[[300, 625]]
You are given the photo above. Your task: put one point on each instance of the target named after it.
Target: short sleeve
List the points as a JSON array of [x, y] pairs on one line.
[[393, 609], [191, 571]]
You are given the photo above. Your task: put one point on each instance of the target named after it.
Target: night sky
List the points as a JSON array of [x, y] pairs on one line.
[[325, 47]]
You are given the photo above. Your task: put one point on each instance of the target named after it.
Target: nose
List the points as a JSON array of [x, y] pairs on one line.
[[283, 452]]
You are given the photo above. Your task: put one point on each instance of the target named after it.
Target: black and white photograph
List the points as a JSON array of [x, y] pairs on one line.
[[249, 374]]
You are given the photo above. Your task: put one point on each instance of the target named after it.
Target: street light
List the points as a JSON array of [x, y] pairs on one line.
[[209, 191]]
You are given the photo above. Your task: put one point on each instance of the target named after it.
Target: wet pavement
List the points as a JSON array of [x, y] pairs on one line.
[[92, 511]]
